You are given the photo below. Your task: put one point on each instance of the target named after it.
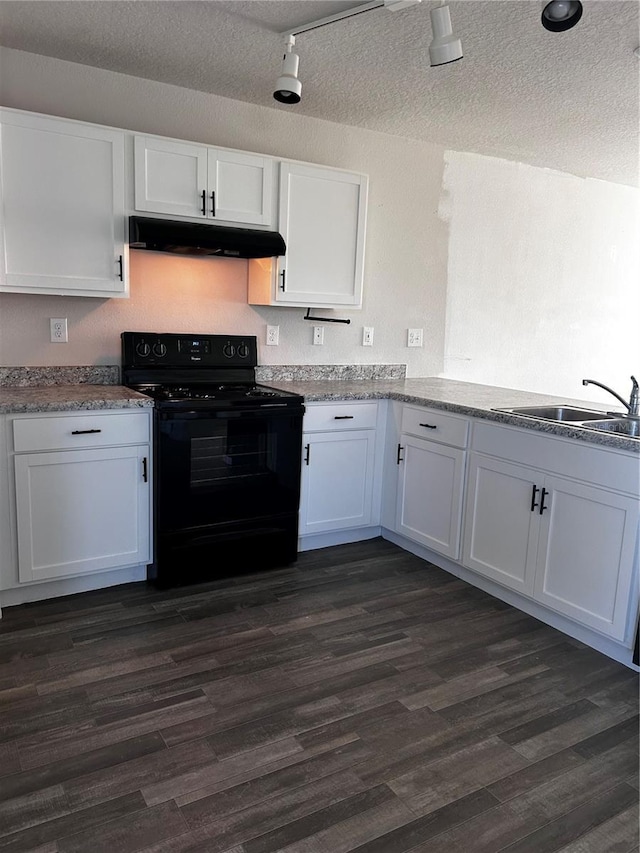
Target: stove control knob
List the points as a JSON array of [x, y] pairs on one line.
[[228, 350], [159, 350], [243, 351], [143, 349]]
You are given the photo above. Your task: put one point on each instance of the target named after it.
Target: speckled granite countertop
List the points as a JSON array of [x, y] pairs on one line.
[[69, 398], [464, 398]]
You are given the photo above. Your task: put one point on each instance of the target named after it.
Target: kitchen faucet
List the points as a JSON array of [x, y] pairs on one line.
[[633, 406]]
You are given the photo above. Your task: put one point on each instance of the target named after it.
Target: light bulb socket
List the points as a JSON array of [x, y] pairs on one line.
[[558, 16]]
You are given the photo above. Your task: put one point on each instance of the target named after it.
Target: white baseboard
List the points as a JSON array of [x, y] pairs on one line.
[[619, 652], [70, 586], [340, 537]]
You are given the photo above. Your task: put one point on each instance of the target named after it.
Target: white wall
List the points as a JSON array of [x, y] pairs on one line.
[[532, 274], [405, 267], [543, 278]]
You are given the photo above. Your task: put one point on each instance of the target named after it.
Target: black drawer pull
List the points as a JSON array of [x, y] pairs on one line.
[[534, 492], [282, 276], [400, 457], [343, 417], [543, 495], [307, 453], [213, 204], [120, 268], [428, 426], [203, 194], [84, 431], [145, 473]]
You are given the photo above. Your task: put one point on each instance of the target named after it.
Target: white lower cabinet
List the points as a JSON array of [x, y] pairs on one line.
[[586, 553], [338, 467], [431, 479], [81, 510], [568, 544]]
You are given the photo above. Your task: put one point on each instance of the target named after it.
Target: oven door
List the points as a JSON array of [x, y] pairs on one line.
[[223, 467]]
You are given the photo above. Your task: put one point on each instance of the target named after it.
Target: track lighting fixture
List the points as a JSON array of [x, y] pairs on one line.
[[445, 47], [288, 87], [561, 15]]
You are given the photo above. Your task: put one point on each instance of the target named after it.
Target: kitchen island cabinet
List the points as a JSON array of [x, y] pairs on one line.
[[63, 192]]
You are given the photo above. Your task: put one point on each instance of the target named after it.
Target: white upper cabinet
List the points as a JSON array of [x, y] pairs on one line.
[[322, 217], [62, 216], [185, 179]]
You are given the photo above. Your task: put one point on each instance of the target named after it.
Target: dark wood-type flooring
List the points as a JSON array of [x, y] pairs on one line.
[[361, 701]]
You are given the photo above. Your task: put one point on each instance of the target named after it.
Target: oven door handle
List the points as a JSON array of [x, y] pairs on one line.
[[231, 414]]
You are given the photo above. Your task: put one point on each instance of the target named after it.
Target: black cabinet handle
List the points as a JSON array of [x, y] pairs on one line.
[[343, 417], [120, 268], [399, 457], [307, 453], [282, 277], [145, 473], [429, 426], [84, 431], [534, 492], [542, 497], [213, 204], [203, 195]]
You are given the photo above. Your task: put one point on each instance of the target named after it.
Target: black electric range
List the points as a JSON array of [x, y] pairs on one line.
[[227, 454]]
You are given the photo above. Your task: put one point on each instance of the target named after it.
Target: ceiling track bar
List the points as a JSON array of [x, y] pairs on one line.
[[324, 319], [331, 19]]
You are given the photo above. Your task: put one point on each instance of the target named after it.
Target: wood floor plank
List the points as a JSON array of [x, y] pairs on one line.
[[617, 835], [572, 825], [359, 700]]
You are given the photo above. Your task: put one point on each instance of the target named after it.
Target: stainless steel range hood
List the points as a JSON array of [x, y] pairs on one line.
[[194, 238]]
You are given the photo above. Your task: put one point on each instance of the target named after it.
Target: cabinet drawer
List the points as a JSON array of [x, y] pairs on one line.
[[436, 426], [338, 416], [60, 432]]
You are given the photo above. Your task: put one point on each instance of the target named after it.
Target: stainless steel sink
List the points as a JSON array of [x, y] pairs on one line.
[[558, 413], [622, 426]]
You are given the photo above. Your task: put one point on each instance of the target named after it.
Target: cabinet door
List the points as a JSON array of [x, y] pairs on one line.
[[240, 187], [322, 220], [170, 177], [429, 508], [62, 212], [81, 511], [501, 530], [586, 553], [337, 481]]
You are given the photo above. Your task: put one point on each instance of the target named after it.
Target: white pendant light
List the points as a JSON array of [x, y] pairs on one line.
[[445, 47], [288, 87], [561, 15]]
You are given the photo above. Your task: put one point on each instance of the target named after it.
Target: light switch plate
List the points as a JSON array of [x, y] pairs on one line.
[[367, 336], [318, 336]]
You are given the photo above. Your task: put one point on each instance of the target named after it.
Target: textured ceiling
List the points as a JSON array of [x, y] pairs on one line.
[[569, 101]]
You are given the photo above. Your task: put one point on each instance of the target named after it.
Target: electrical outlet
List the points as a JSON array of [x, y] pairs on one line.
[[367, 336], [414, 337], [273, 336], [318, 336], [58, 330]]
